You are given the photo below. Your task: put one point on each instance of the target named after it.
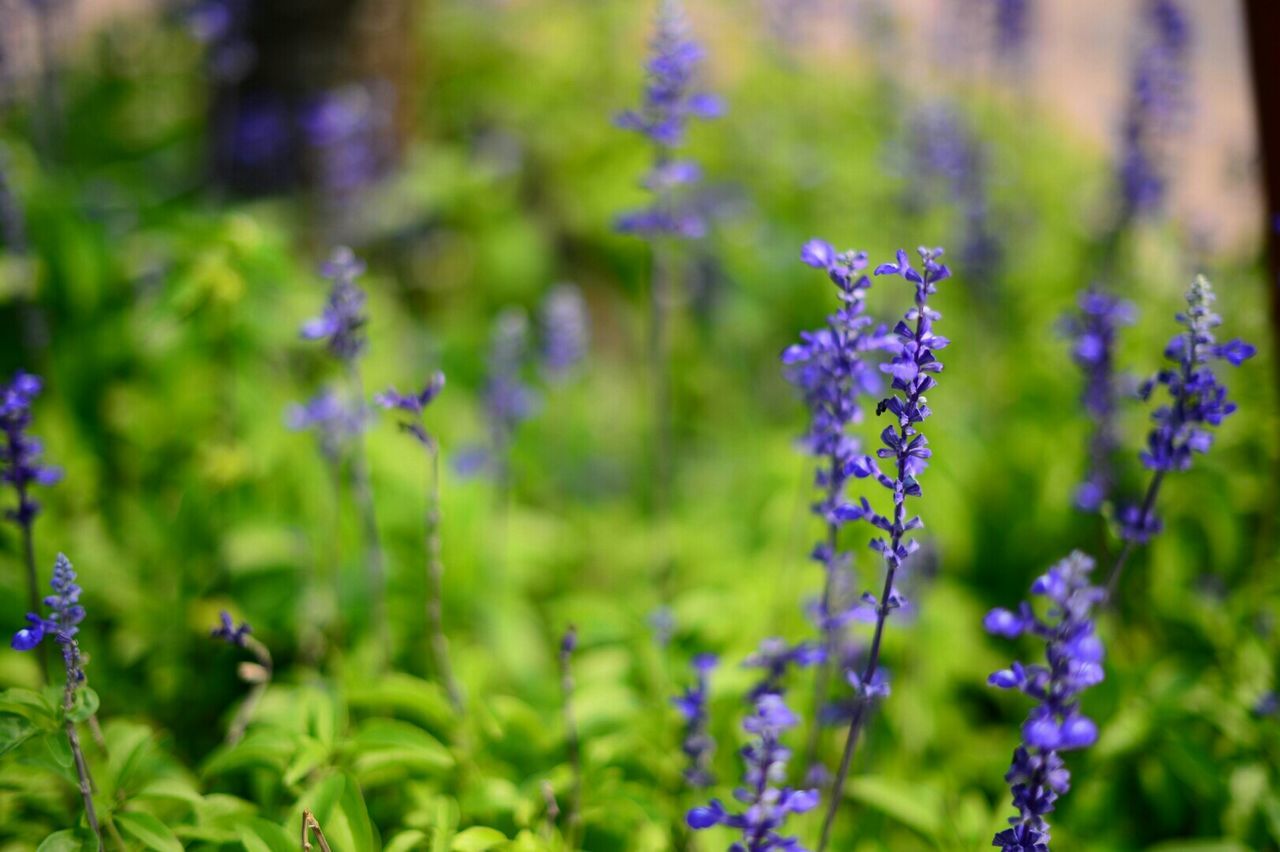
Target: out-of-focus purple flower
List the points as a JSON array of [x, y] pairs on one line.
[[333, 420], [342, 324], [13, 230], [776, 657], [1158, 104], [412, 403], [1074, 655], [670, 100], [1093, 332], [63, 625], [20, 462], [508, 398], [565, 330], [697, 744], [227, 631], [344, 130], [1013, 22], [766, 807]]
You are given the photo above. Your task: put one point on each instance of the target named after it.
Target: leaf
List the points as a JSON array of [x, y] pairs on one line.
[[14, 731], [267, 747], [1199, 846], [68, 840], [419, 699], [85, 704], [151, 831], [29, 704], [444, 824], [259, 835], [915, 806], [407, 841], [478, 838], [386, 749], [175, 787]]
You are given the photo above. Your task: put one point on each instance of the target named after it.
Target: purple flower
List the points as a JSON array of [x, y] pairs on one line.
[[670, 100], [1157, 105], [565, 330], [1093, 333], [1013, 19], [412, 403], [697, 744], [1197, 400], [341, 325], [333, 420], [1073, 654], [63, 625], [766, 807], [776, 657], [20, 463], [827, 366], [227, 631]]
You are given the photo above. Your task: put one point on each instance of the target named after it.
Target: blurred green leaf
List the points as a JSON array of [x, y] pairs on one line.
[[477, 839], [148, 829], [258, 835]]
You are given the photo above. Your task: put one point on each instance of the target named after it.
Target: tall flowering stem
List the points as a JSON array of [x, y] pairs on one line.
[[1197, 403], [766, 807], [697, 743], [569, 644], [912, 367], [1093, 332], [670, 100], [311, 830], [413, 406], [21, 467], [1074, 655], [342, 328], [62, 627], [258, 674], [827, 367]]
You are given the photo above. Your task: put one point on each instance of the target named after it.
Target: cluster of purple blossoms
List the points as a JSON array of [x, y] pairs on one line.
[[697, 743], [670, 100], [775, 657], [1093, 333], [342, 325], [1074, 655], [565, 330], [912, 368], [767, 806], [20, 463], [829, 369], [222, 26], [1197, 402], [228, 632], [943, 149], [333, 420], [1013, 21], [1157, 105], [413, 404], [67, 613]]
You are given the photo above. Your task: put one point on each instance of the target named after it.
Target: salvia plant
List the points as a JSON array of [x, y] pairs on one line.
[[1073, 663], [78, 703], [766, 804], [338, 421], [21, 467], [412, 406], [573, 746], [1157, 104], [1093, 332], [697, 743], [256, 674], [830, 369], [566, 331], [912, 367]]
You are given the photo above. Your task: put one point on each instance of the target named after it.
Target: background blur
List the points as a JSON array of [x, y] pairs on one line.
[[174, 175]]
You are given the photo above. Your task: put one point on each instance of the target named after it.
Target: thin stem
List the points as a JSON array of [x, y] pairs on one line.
[[822, 677], [375, 570], [82, 768], [1148, 502], [311, 827], [260, 677], [573, 746], [435, 583], [658, 344]]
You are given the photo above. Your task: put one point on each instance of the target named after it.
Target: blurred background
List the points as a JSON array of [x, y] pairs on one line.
[[171, 177]]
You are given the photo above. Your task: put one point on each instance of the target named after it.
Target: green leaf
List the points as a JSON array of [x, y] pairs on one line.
[[477, 839], [1199, 846], [14, 731], [444, 824], [388, 749], [915, 806], [174, 787], [149, 830], [68, 840], [29, 704], [418, 699], [84, 705], [263, 747], [407, 841], [259, 835]]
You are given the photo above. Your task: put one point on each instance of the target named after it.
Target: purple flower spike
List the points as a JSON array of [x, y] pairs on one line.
[[63, 625], [20, 462], [227, 631], [670, 100], [698, 745], [342, 323], [1074, 655]]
